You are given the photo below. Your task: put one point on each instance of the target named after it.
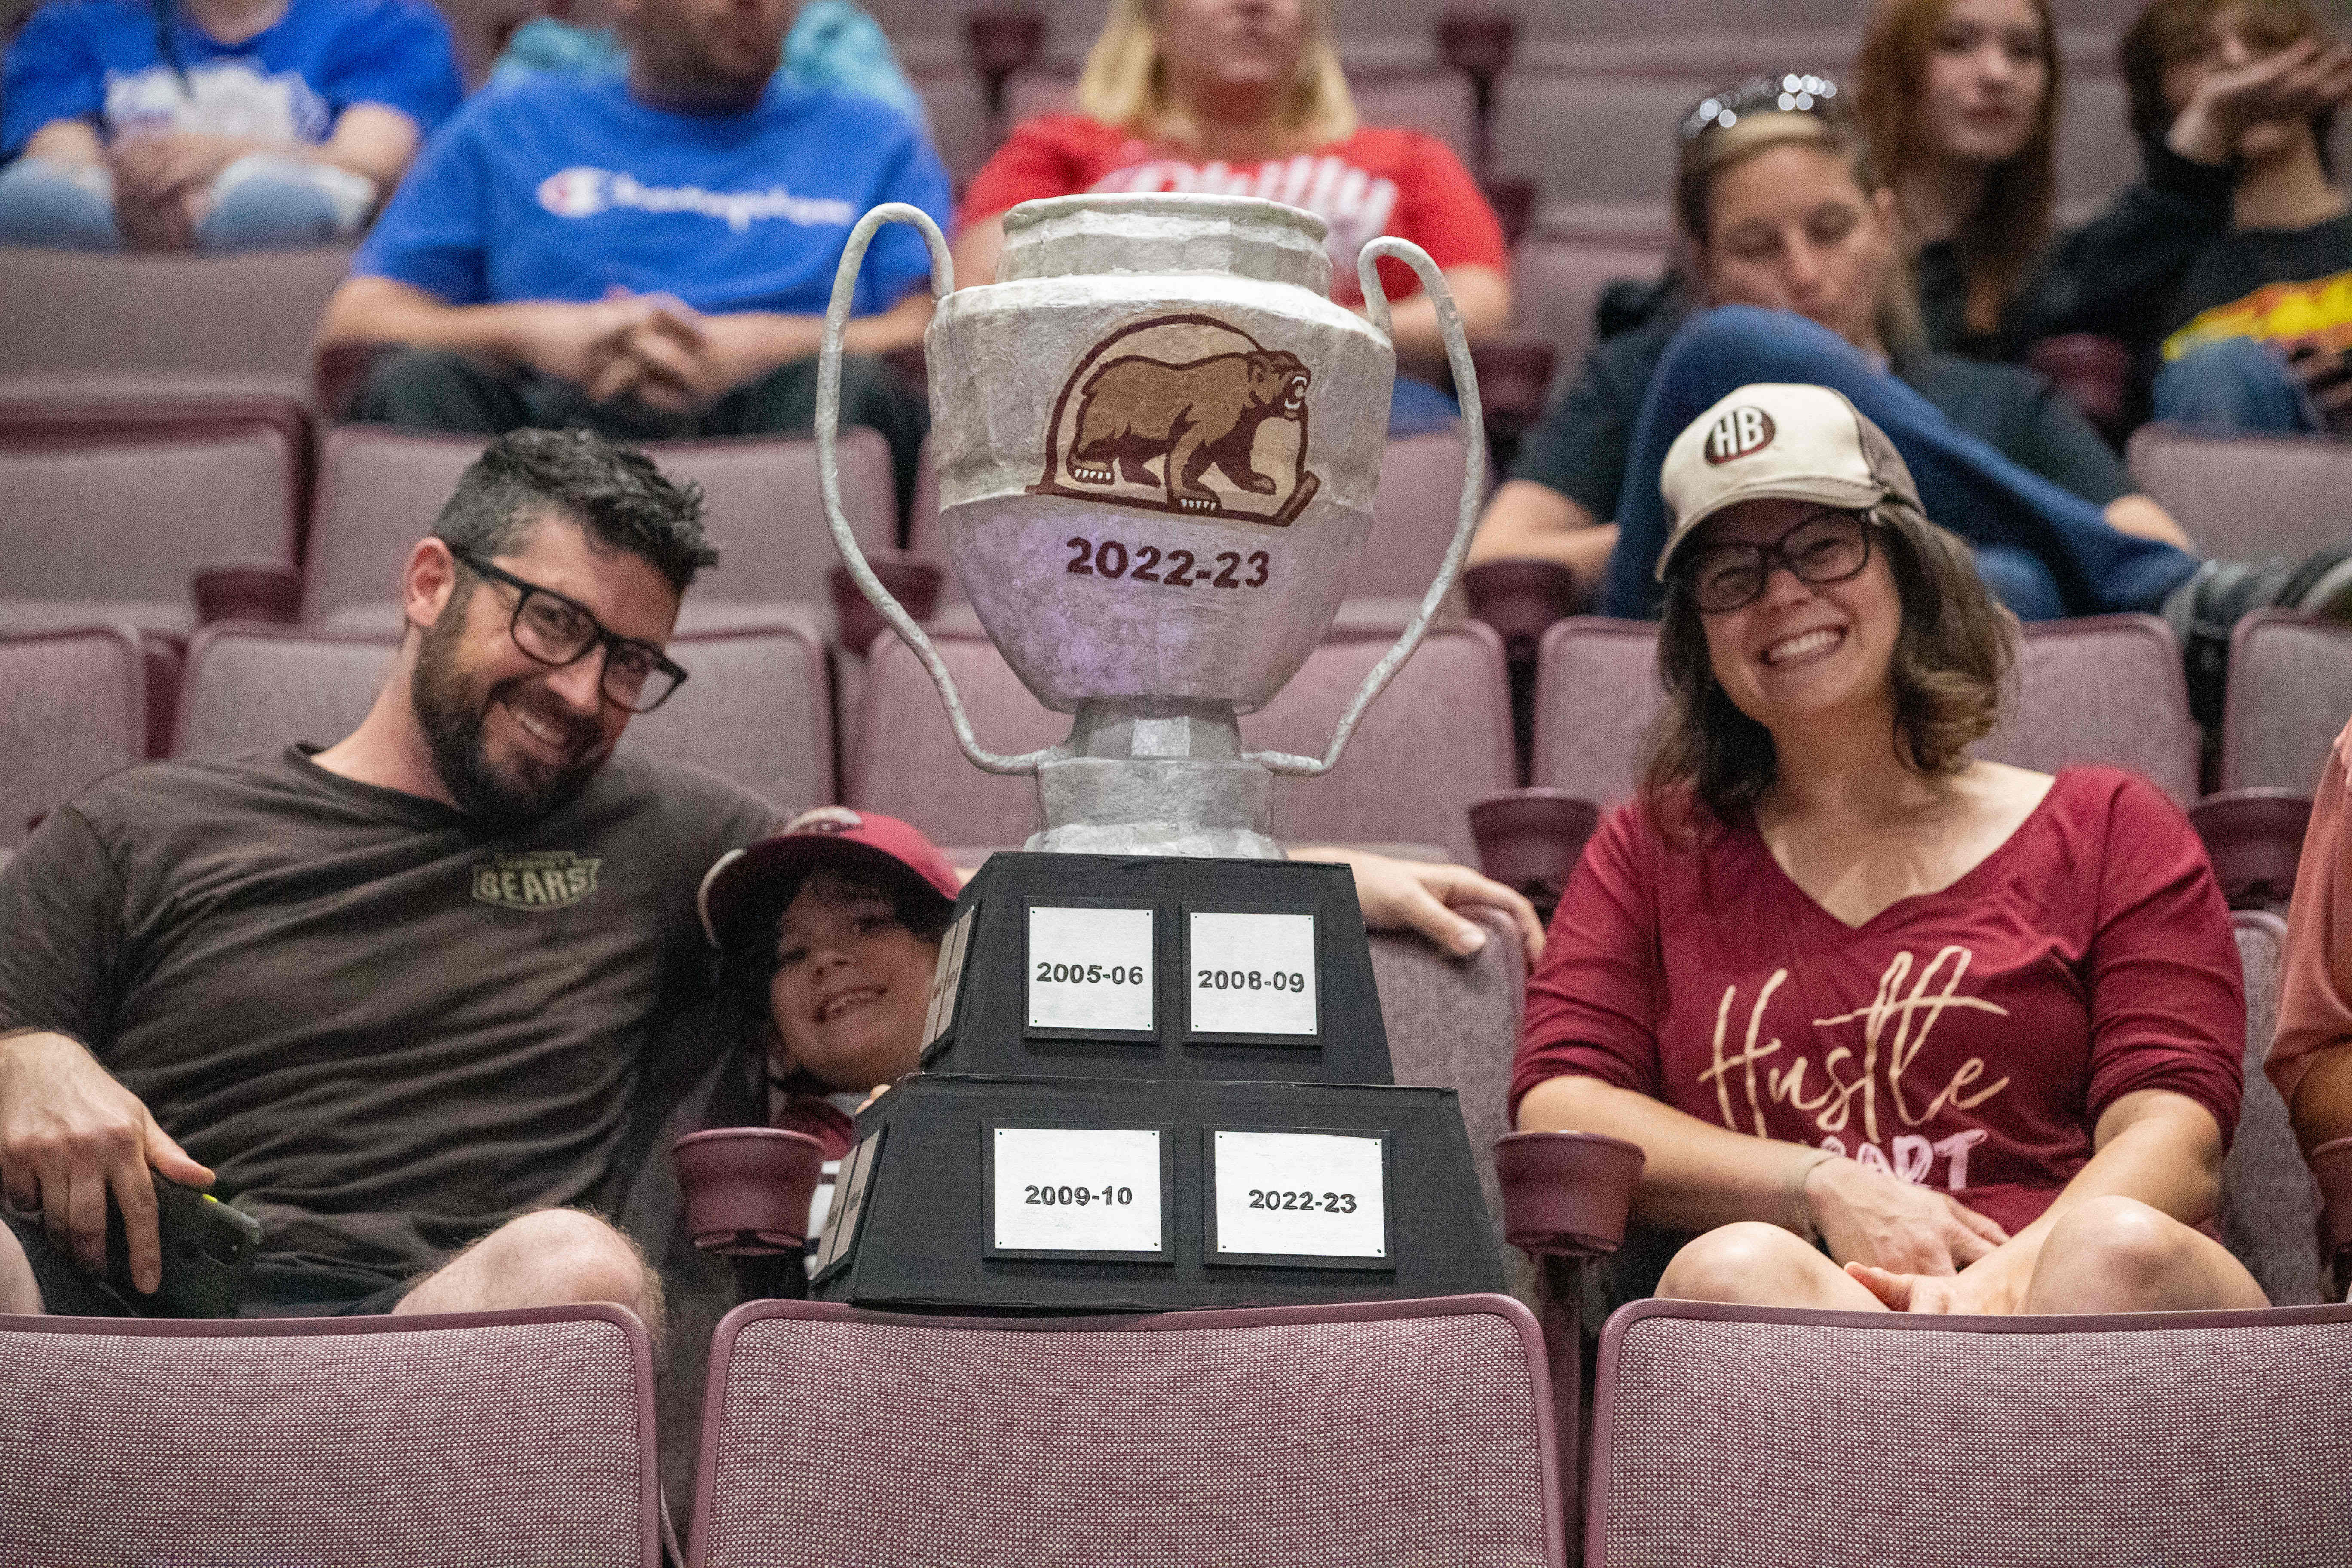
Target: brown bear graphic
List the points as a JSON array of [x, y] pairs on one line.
[[1135, 409]]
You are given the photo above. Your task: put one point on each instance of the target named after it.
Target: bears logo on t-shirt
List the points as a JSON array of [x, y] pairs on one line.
[[539, 879]]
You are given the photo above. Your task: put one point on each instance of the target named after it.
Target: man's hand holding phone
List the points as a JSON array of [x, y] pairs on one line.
[[69, 1137]]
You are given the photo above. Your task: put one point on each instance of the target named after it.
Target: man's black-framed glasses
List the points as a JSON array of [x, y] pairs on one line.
[[1830, 546], [1791, 92], [555, 631]]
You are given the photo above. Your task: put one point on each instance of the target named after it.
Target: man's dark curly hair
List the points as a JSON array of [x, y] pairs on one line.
[[612, 491]]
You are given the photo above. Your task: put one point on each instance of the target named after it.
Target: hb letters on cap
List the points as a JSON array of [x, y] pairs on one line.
[[1779, 441]]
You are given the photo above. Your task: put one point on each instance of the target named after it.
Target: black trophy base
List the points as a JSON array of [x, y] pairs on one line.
[[955, 1184]]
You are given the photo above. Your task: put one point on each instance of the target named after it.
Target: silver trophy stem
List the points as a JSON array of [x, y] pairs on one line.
[[1155, 776]]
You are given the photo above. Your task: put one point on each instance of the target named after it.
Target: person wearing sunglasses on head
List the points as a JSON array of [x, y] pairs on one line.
[[1895, 1026], [1789, 240]]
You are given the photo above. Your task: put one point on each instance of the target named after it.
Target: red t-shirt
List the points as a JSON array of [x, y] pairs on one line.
[[1967, 1039], [1376, 182]]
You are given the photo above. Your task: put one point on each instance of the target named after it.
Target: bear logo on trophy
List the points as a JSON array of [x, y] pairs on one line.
[[1222, 416]]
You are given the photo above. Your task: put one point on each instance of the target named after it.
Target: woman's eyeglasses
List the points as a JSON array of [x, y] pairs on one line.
[[1793, 93], [555, 631], [1827, 547]]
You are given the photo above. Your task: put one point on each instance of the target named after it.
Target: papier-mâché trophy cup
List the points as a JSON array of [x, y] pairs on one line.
[[1157, 440], [1152, 1041]]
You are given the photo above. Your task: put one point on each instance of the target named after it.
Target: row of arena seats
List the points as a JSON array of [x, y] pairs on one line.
[[1445, 1430], [770, 707]]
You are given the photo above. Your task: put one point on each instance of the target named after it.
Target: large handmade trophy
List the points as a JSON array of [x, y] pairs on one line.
[[1155, 1073]]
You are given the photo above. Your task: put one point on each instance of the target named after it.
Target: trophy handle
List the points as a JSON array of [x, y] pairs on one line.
[[828, 467], [1474, 484]]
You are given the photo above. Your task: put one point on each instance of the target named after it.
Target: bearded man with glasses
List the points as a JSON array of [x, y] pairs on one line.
[[401, 994]]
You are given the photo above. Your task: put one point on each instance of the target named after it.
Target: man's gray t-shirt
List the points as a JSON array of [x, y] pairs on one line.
[[384, 1029]]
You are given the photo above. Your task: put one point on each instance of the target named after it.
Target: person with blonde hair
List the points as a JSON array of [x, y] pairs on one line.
[[1247, 97]]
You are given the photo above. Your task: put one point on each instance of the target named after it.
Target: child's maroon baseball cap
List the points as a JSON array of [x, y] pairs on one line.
[[745, 887]]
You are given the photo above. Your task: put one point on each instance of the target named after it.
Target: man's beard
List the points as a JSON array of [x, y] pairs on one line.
[[452, 710]]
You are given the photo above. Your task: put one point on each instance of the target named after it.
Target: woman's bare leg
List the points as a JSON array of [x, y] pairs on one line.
[[1758, 1265], [2118, 1255]]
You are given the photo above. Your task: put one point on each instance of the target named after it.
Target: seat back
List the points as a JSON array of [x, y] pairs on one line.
[[1556, 282], [1436, 740], [2104, 688], [72, 709], [1414, 515], [755, 709], [520, 1438], [131, 522], [2245, 497], [1747, 1436], [2270, 1209], [1380, 1433], [380, 490], [254, 312], [1454, 1023], [2290, 696]]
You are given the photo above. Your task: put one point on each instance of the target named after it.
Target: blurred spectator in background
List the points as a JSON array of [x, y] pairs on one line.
[[1246, 98], [650, 255], [2256, 335], [1784, 207], [217, 124]]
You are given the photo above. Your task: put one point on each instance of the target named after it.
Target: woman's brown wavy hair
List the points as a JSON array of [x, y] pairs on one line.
[[1953, 657], [1999, 239]]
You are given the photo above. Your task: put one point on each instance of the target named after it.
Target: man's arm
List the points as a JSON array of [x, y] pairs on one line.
[[1532, 521], [2311, 1056], [71, 1135]]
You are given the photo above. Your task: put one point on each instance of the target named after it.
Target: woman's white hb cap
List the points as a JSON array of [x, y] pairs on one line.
[[1778, 441]]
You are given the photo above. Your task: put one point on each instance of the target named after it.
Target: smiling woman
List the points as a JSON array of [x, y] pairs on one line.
[[1895, 1026]]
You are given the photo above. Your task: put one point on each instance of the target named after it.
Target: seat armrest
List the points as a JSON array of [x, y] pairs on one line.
[[1530, 839], [1566, 1193], [247, 591], [913, 581], [748, 1189], [1520, 599], [1513, 377], [2254, 837]]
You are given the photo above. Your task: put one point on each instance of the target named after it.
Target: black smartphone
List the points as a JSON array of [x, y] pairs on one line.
[[206, 1245]]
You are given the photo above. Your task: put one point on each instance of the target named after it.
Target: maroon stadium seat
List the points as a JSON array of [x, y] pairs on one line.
[[755, 709], [79, 313], [1556, 282], [1745, 1437], [380, 490], [1366, 1434], [115, 533], [72, 709], [100, 407], [2270, 1209], [519, 1438], [2245, 497], [2290, 696], [1447, 703]]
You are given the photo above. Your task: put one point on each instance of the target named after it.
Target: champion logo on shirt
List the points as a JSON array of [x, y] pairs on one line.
[[541, 880], [583, 191]]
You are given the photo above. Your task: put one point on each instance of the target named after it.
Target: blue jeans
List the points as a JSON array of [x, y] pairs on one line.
[[45, 206], [1417, 406], [2042, 550], [2234, 385]]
